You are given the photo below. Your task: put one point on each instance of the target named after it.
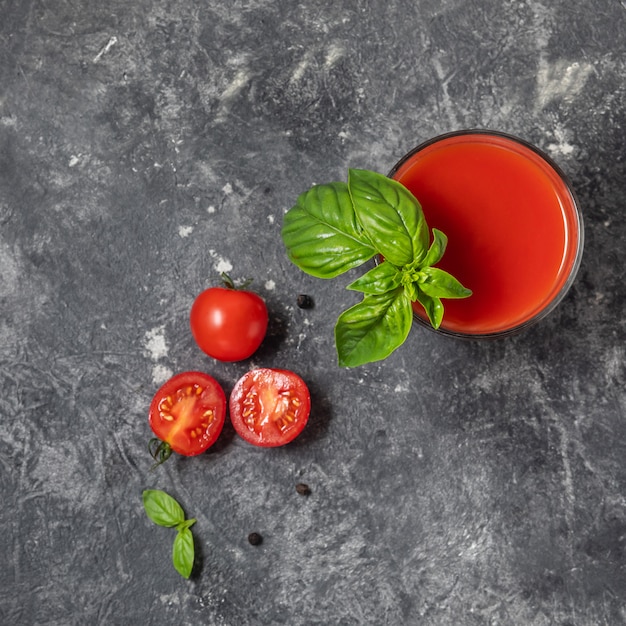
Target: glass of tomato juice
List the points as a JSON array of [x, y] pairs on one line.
[[514, 227]]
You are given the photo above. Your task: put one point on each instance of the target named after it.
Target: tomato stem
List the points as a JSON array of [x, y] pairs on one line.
[[159, 450], [227, 280], [230, 283]]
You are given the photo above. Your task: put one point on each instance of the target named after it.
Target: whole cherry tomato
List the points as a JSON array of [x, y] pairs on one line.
[[228, 324], [187, 414], [269, 407]]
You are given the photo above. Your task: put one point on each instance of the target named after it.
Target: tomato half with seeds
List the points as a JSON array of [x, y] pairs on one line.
[[187, 415], [269, 407]]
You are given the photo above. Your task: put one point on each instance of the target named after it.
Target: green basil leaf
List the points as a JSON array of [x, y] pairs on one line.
[[436, 250], [440, 284], [322, 234], [380, 279], [390, 215], [372, 329], [432, 306], [183, 552], [161, 508]]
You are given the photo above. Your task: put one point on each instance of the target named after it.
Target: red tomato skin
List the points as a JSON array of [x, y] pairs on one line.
[[279, 388], [180, 439], [228, 324]]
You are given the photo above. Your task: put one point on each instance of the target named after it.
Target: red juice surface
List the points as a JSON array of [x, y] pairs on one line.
[[512, 223]]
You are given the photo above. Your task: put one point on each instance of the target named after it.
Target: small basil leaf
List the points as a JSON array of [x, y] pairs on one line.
[[372, 329], [161, 508], [380, 279], [411, 291], [390, 215], [322, 234], [436, 250], [183, 552], [432, 306], [440, 284]]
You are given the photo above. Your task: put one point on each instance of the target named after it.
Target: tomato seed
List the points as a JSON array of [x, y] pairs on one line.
[[255, 539], [304, 302], [303, 489]]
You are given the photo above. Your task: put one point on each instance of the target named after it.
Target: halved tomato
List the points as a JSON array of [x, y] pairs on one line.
[[187, 415], [269, 407]]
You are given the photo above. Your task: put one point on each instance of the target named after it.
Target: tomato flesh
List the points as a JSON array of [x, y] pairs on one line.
[[188, 412], [228, 324], [269, 407]]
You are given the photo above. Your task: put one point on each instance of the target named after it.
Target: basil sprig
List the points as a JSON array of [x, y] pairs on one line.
[[164, 510], [338, 226]]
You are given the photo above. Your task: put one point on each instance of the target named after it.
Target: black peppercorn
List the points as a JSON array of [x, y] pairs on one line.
[[304, 301], [255, 539], [303, 489]]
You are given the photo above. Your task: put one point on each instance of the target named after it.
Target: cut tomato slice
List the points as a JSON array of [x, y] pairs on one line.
[[269, 407], [187, 413]]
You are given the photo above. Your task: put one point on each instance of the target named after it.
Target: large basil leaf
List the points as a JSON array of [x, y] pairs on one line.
[[380, 279], [322, 234], [440, 284], [390, 215], [372, 329]]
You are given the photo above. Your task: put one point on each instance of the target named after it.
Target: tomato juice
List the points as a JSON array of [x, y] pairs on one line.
[[514, 227]]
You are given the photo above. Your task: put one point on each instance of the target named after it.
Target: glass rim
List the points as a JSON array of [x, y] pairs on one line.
[[576, 213]]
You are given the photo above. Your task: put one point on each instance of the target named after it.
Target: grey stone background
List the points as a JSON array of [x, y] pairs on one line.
[[147, 146]]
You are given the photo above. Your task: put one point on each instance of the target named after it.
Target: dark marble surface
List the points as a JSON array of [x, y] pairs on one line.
[[145, 147]]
